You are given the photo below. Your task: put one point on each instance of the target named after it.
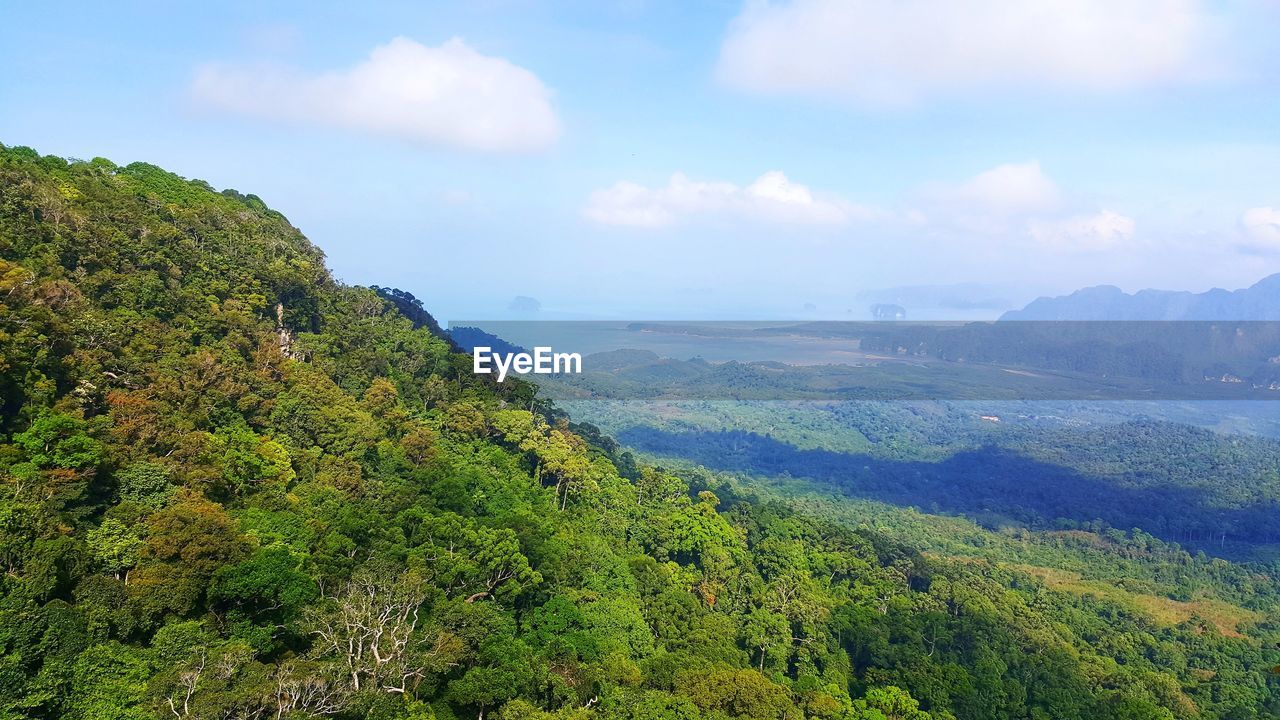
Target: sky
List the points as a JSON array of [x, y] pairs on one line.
[[712, 160]]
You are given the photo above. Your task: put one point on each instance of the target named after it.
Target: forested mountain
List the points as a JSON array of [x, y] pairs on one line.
[[1107, 302], [469, 338], [411, 307], [1178, 483], [232, 487]]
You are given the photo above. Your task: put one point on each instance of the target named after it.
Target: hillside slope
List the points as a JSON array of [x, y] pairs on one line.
[[232, 487]]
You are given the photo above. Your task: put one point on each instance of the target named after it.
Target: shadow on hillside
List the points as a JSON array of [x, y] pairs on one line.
[[979, 483]]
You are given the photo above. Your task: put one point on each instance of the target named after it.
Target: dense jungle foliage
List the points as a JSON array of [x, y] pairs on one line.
[[232, 487]]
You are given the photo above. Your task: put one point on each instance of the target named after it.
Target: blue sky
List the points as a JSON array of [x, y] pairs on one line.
[[715, 159]]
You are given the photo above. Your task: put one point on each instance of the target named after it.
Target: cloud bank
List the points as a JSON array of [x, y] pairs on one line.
[[772, 198], [1015, 204], [1007, 189], [892, 52], [448, 96]]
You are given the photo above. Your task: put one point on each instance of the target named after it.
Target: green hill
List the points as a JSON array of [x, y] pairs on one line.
[[232, 487]]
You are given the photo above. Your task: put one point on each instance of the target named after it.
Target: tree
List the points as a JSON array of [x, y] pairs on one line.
[[263, 595], [465, 558], [56, 440], [110, 683], [738, 693], [373, 628], [769, 634], [507, 673], [116, 547], [187, 542], [888, 703], [145, 483], [420, 444]]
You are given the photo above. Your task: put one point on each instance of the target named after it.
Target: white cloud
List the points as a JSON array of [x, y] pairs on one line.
[[1015, 203], [995, 202], [449, 95], [1261, 229], [900, 51], [772, 197], [1100, 231], [1009, 189]]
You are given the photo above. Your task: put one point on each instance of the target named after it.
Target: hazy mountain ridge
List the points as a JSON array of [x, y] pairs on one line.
[[1260, 301]]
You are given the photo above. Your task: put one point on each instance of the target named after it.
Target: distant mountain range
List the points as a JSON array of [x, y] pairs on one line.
[[1107, 302]]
